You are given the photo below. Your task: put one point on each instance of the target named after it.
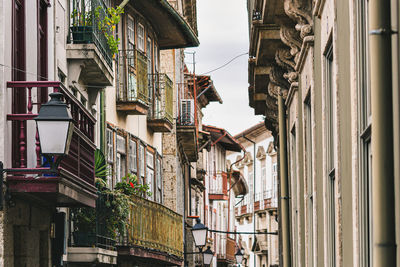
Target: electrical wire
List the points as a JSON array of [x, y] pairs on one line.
[[226, 64]]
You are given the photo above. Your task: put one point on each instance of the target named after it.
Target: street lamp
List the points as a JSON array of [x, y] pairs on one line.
[[55, 127], [199, 232], [239, 256], [207, 256]]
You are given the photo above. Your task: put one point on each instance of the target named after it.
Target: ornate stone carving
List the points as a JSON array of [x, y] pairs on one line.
[[285, 60], [291, 38], [278, 84], [300, 11]]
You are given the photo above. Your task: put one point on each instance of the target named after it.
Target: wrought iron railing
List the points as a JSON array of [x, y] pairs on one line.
[[99, 236], [155, 227], [162, 108], [79, 163], [84, 18], [132, 77]]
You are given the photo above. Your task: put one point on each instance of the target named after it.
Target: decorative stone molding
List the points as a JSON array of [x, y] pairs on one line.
[[260, 153], [291, 38], [293, 88], [318, 7], [276, 78], [307, 43], [285, 60], [300, 11]]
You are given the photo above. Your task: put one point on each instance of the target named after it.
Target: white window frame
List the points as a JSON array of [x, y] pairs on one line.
[[130, 25], [140, 37], [133, 156], [141, 161]]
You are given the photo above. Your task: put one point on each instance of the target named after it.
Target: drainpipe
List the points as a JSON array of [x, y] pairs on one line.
[[254, 191], [283, 165], [383, 210]]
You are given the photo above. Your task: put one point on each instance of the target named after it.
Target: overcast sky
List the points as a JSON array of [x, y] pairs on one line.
[[223, 34]]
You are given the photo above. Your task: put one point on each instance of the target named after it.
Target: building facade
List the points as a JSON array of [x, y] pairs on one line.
[[121, 87], [325, 77], [257, 211]]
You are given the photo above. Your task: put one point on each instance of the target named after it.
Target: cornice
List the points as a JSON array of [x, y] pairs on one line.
[[308, 42], [293, 88]]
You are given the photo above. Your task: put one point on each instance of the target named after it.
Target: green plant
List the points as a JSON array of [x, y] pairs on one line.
[[101, 169], [130, 185], [109, 217], [81, 18], [107, 26]]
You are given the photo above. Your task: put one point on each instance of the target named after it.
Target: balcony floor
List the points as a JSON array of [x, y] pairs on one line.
[[136, 254], [159, 125], [60, 191], [132, 108]]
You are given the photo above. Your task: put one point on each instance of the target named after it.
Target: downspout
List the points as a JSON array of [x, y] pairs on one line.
[[383, 210], [284, 183], [254, 191]]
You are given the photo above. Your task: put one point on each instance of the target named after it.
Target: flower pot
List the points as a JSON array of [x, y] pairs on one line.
[[82, 34]]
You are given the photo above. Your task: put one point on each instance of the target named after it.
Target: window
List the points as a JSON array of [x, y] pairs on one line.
[[274, 180], [121, 158], [18, 74], [149, 52], [159, 182], [155, 58], [150, 173], [140, 36], [131, 33], [308, 149], [42, 49], [364, 128], [132, 156], [110, 155], [264, 176], [141, 163], [330, 108]]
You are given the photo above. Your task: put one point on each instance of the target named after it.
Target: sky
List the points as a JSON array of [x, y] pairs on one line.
[[223, 35]]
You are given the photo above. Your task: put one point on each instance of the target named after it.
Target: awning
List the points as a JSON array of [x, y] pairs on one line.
[[172, 29], [222, 137]]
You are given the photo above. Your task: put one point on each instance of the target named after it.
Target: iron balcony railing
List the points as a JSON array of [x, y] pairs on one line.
[[98, 236], [84, 19], [162, 107], [132, 78], [152, 226]]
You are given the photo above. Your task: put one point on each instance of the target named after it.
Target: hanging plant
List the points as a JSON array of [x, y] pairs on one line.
[[108, 24]]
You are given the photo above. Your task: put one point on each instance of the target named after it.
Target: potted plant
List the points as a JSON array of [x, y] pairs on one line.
[[82, 26]]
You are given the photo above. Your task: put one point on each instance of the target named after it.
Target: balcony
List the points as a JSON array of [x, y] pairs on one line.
[[186, 126], [132, 83], [160, 116], [91, 242], [89, 56], [219, 187], [74, 184], [225, 250], [154, 232]]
